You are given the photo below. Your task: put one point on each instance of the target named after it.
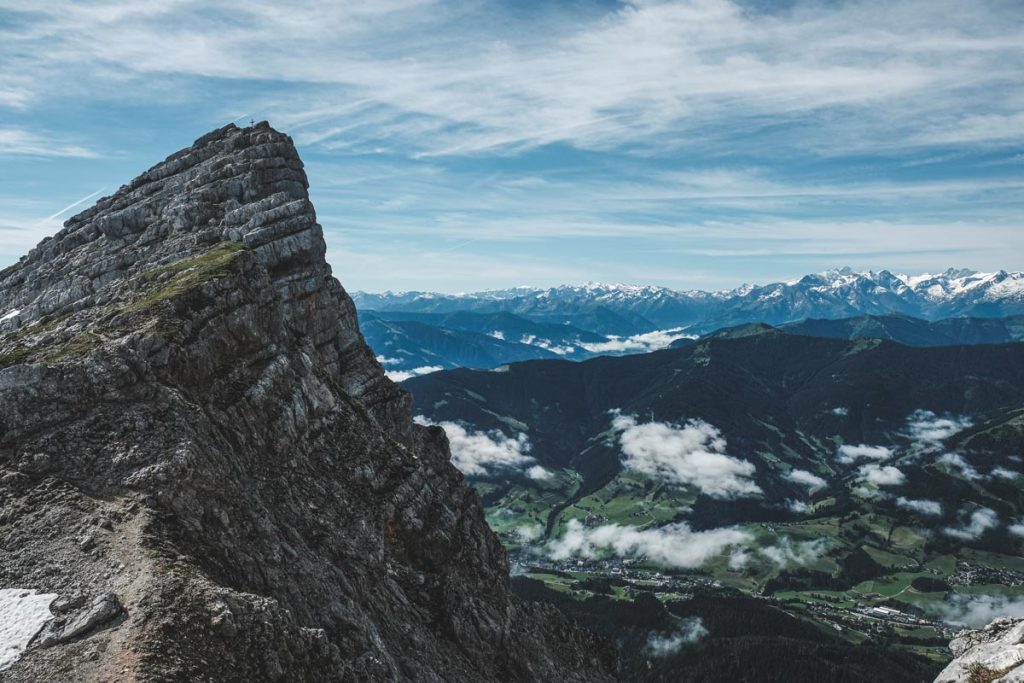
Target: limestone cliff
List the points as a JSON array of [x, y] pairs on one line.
[[200, 456], [989, 655]]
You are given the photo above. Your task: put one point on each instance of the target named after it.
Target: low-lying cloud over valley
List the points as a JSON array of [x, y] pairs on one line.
[[675, 545], [477, 453], [692, 454]]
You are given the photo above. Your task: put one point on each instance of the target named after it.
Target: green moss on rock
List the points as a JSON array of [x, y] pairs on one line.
[[79, 346], [13, 357], [187, 274]]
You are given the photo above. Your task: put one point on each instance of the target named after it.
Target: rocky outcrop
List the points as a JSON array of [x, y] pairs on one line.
[[202, 458], [994, 653]]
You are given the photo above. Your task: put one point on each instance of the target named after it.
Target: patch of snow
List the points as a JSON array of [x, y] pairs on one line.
[[22, 614], [10, 314], [1011, 287]]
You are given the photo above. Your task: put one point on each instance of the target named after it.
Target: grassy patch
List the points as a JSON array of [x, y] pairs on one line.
[[17, 355], [79, 346], [511, 422], [888, 559], [631, 499], [45, 324], [979, 673], [187, 274]]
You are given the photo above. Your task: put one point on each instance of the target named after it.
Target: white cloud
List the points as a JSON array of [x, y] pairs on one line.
[[977, 128], [529, 534], [1017, 529], [805, 478], [797, 506], [477, 453], [497, 334], [882, 475], [979, 522], [739, 559], [929, 429], [957, 461], [674, 545], [977, 611], [539, 473], [842, 412], [924, 507], [1003, 473], [546, 344], [416, 77], [21, 142], [22, 614], [692, 454], [690, 630], [786, 553], [849, 453], [384, 360], [402, 375], [454, 80], [640, 343], [868, 493]]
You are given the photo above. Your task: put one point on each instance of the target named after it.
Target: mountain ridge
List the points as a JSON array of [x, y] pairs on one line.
[[208, 473], [831, 294]]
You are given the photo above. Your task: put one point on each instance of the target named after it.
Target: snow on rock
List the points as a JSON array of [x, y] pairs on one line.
[[994, 653], [22, 614], [9, 314]]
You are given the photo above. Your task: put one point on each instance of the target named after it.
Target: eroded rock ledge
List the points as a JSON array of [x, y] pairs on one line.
[[989, 655], [201, 457]]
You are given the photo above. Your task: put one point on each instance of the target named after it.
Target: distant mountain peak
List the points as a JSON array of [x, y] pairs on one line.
[[835, 293]]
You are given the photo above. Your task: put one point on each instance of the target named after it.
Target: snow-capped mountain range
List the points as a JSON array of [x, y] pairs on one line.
[[633, 309]]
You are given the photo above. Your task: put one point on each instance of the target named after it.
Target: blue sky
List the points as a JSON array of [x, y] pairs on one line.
[[465, 145]]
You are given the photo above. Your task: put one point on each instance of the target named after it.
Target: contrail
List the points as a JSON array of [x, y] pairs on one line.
[[72, 205], [462, 244]]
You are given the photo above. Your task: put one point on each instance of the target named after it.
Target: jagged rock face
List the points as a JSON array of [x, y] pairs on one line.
[[202, 458], [994, 653]]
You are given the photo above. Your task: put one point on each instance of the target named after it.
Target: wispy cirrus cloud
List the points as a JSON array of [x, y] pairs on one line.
[[463, 79], [685, 142], [22, 142]]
